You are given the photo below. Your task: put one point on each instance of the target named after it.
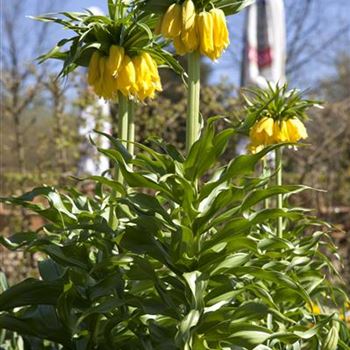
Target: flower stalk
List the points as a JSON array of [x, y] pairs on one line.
[[123, 126], [131, 127], [193, 120], [279, 181]]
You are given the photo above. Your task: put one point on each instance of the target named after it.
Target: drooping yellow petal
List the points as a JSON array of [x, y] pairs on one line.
[[180, 47], [261, 134], [143, 77], [172, 21], [296, 129], [153, 68], [188, 15], [127, 76], [99, 86], [94, 70], [266, 125], [189, 35], [205, 26], [190, 39], [109, 82], [221, 34], [281, 131], [158, 28], [116, 56]]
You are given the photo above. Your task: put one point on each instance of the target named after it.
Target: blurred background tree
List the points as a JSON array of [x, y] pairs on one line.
[[41, 116]]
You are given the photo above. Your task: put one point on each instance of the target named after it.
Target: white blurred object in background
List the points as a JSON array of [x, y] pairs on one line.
[[97, 117], [265, 44], [94, 117]]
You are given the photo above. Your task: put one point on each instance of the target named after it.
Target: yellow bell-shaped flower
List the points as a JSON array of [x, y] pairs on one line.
[[115, 60], [280, 133], [144, 86], [180, 47], [189, 36], [110, 86], [220, 33], [267, 131], [153, 69], [126, 78], [205, 26], [262, 132], [172, 22], [296, 130], [94, 69], [98, 86]]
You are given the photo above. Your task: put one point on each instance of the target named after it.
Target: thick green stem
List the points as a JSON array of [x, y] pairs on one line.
[[279, 170], [131, 127], [123, 125], [193, 121]]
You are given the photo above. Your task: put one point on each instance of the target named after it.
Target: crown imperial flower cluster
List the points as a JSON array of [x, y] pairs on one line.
[[268, 131], [137, 76], [190, 31]]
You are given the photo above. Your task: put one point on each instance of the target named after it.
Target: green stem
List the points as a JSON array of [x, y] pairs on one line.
[[279, 170], [123, 135], [193, 121], [122, 126], [131, 127]]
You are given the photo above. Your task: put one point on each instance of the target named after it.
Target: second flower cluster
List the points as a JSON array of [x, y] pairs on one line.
[[190, 31]]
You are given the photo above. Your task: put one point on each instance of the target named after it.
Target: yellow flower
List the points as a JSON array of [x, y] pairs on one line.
[[136, 77], [126, 78], [152, 65], [205, 26], [98, 85], [172, 22], [116, 56], [180, 47], [296, 130], [110, 86], [147, 77], [280, 132], [261, 134], [266, 131], [144, 87], [213, 33], [220, 33], [189, 36], [94, 70], [314, 308]]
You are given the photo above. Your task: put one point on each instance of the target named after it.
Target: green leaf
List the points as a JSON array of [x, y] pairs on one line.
[[31, 292], [41, 322]]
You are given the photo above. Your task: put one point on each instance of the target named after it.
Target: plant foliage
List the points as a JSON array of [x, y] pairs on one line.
[[180, 259]]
